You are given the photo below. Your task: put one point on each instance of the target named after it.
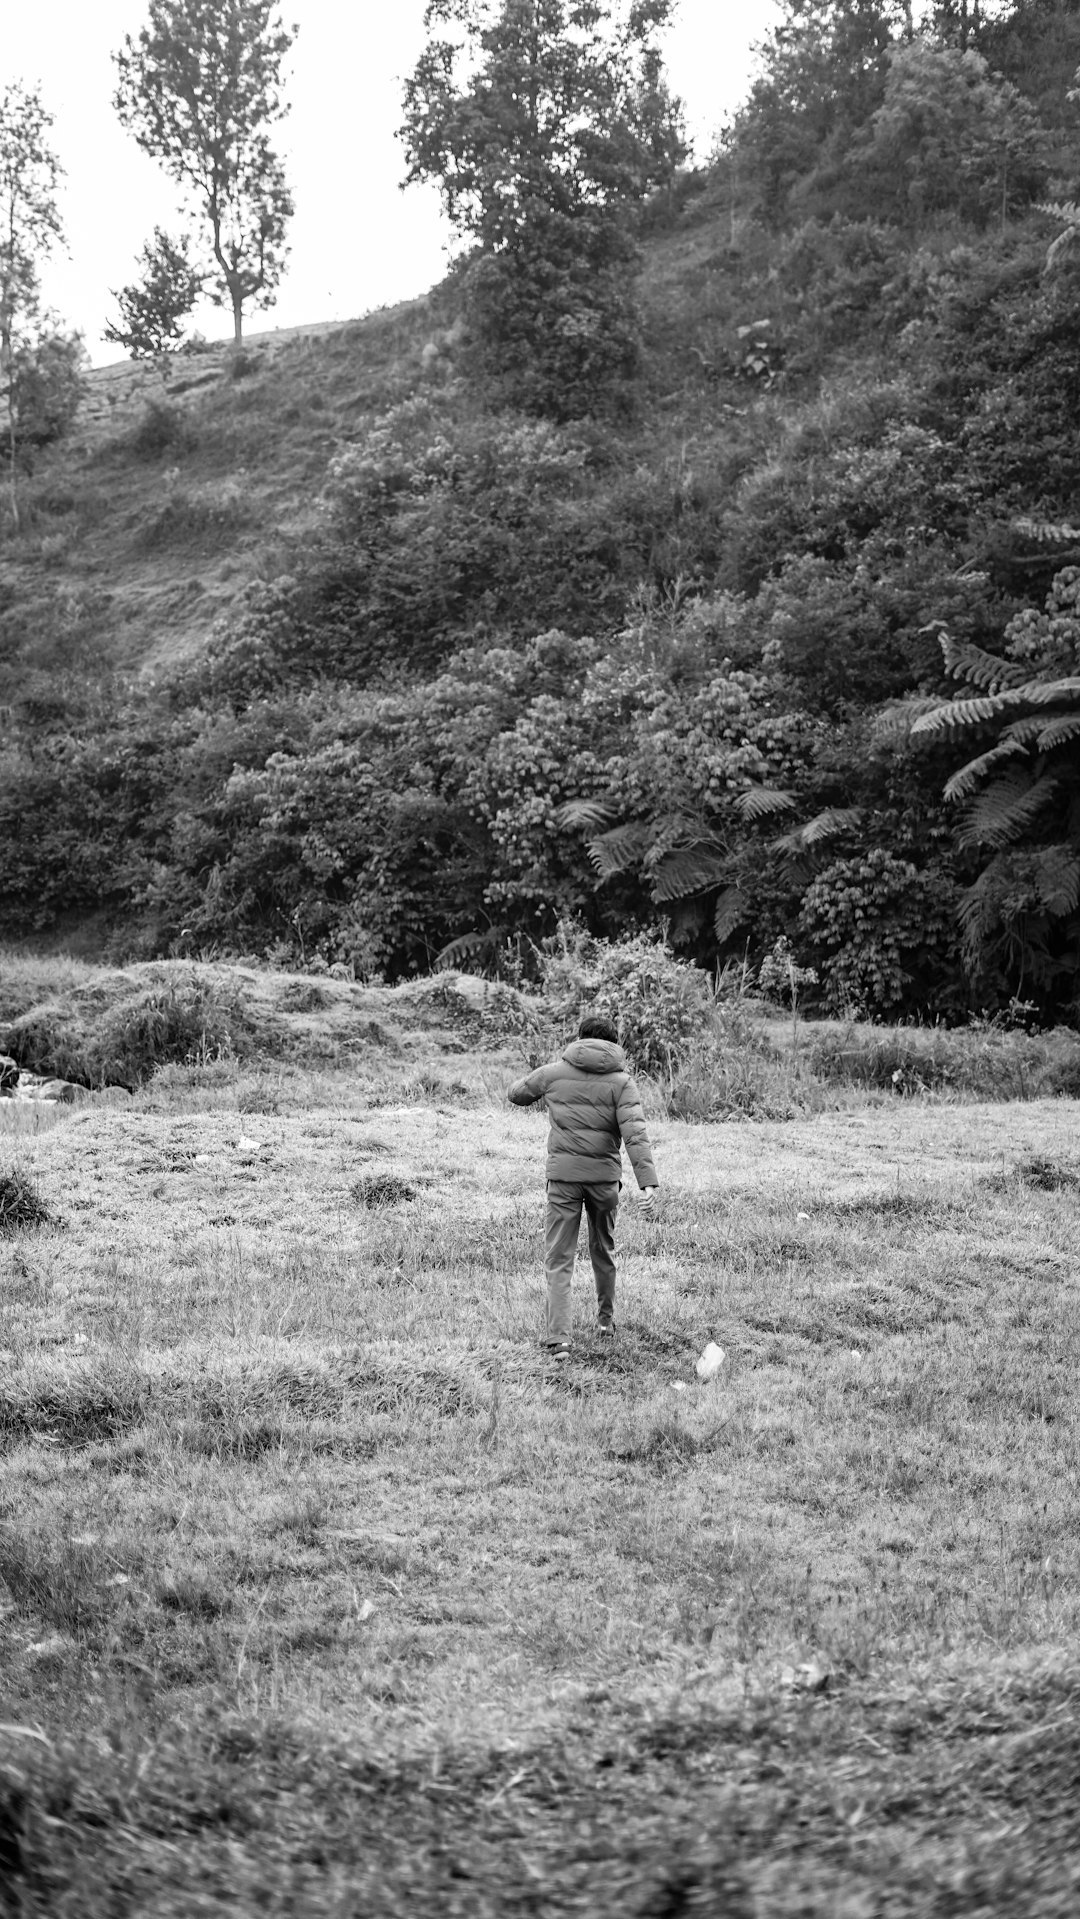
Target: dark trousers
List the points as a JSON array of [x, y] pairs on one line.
[[565, 1199]]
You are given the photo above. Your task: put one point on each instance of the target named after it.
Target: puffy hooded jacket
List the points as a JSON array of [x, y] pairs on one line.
[[593, 1104]]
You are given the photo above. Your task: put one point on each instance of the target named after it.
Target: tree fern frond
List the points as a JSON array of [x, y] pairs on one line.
[[823, 826], [466, 947], [1045, 692], [1047, 532], [1008, 805], [689, 869], [1059, 880], [1068, 210], [826, 825], [757, 801], [1064, 243], [967, 777], [728, 913], [976, 908], [1024, 730], [896, 722], [587, 813], [622, 847], [957, 713], [966, 661], [1059, 732]]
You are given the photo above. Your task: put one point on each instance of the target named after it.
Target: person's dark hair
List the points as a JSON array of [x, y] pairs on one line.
[[596, 1028]]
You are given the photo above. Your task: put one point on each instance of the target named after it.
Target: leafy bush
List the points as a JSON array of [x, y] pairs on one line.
[[163, 428], [876, 925], [660, 1005], [48, 389]]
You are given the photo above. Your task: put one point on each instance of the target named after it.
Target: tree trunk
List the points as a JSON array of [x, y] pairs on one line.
[[8, 361], [238, 320], [11, 457]]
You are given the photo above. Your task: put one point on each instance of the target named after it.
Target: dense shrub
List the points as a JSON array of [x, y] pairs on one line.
[[48, 387], [660, 1005], [879, 929], [163, 427]]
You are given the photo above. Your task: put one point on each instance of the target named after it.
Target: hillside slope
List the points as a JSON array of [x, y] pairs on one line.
[[171, 494]]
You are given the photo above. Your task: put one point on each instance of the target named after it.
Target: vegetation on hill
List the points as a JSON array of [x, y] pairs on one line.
[[493, 667]]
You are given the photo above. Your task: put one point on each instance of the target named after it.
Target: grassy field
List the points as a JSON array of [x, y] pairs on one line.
[[317, 1597]]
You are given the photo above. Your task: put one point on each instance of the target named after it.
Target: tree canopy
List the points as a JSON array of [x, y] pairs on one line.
[[545, 123]]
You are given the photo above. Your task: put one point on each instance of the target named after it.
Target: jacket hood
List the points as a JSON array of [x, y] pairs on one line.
[[595, 1056]]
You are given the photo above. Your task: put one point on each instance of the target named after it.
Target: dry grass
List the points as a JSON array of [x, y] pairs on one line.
[[317, 1596]]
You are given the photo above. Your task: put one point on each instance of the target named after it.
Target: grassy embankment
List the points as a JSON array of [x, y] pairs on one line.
[[318, 1598]]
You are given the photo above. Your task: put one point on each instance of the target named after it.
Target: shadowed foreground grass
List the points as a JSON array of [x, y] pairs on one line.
[[317, 1597]]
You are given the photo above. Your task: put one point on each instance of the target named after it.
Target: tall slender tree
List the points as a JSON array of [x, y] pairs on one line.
[[29, 229], [199, 89]]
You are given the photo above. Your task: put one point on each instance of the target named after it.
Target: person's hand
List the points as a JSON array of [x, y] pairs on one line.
[[648, 1202]]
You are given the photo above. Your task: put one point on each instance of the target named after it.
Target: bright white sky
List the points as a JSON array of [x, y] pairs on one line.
[[357, 241]]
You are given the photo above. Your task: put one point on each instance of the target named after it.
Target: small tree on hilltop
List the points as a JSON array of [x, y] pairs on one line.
[[29, 229], [545, 123], [153, 309], [198, 90]]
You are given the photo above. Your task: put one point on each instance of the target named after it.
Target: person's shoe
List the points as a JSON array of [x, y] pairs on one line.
[[559, 1353], [606, 1329]]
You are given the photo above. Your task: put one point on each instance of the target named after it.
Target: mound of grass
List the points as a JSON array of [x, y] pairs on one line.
[[118, 1032], [1049, 1175], [78, 1406], [813, 1804], [1046, 1175], [21, 1205], [382, 1189], [984, 1060], [190, 1021]]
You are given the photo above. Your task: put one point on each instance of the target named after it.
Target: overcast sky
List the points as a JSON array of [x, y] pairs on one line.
[[357, 241]]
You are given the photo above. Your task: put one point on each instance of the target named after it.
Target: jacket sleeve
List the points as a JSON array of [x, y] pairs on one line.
[[631, 1122], [526, 1092]]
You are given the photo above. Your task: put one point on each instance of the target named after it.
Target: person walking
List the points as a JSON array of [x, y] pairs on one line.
[[594, 1109]]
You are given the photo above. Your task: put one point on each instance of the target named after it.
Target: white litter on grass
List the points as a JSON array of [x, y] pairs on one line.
[[249, 1145], [710, 1362], [202, 1159], [802, 1215], [809, 1677], [678, 1385]]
